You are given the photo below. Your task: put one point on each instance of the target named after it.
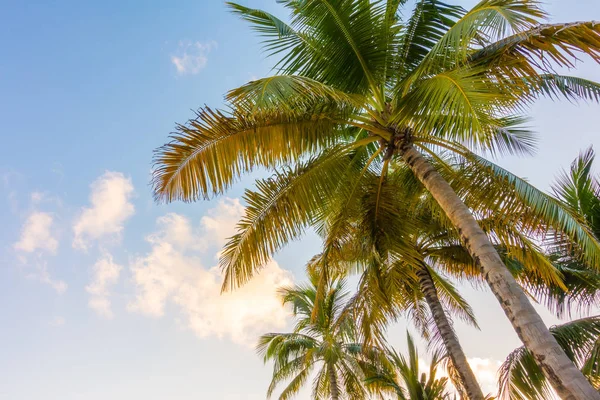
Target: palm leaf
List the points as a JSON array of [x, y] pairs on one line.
[[209, 153], [542, 209], [429, 21], [353, 42], [558, 43], [280, 210], [288, 92], [520, 377], [489, 20]]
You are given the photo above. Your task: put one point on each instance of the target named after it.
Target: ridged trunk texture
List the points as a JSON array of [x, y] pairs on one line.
[[567, 380], [333, 383], [453, 347]]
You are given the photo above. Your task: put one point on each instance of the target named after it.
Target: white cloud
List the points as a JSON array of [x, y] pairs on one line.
[[110, 208], [41, 274], [37, 234], [220, 223], [39, 238], [172, 272], [105, 274], [192, 57]]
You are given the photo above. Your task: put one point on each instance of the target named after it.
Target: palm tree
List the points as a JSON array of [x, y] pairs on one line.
[[403, 242], [326, 343], [403, 378], [354, 77]]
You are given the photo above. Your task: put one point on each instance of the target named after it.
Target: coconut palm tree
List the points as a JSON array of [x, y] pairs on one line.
[[403, 378], [323, 340], [353, 76], [405, 245]]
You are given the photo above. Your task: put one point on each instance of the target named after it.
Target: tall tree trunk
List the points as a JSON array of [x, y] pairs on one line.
[[455, 351], [567, 380], [333, 383]]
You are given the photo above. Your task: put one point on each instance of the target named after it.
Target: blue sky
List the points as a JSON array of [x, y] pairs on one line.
[[108, 295]]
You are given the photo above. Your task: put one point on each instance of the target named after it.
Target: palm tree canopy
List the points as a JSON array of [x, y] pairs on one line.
[[321, 345], [355, 79]]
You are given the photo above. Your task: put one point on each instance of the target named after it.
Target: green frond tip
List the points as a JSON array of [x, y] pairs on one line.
[[263, 22], [485, 22], [570, 87]]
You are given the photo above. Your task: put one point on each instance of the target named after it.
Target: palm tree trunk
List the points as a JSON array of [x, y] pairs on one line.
[[567, 380], [333, 383], [453, 347]]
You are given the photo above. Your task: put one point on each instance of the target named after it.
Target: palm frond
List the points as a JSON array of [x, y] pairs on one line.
[[288, 92], [542, 45], [429, 21], [353, 41], [486, 22], [580, 191], [294, 386], [580, 294], [460, 105], [543, 211], [279, 211], [571, 87], [520, 377], [279, 37], [211, 152], [453, 301]]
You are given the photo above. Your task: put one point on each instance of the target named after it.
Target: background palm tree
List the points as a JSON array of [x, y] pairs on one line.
[[354, 76], [580, 190], [403, 378], [390, 228], [323, 342]]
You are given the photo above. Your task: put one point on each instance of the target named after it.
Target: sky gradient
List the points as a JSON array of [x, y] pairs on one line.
[[108, 295]]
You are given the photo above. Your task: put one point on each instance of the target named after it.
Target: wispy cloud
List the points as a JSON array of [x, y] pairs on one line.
[[40, 273], [172, 272], [192, 57], [37, 234], [38, 239], [105, 274], [8, 178], [110, 208]]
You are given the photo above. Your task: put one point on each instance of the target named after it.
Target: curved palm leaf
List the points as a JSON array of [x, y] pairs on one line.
[[520, 377], [208, 154]]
